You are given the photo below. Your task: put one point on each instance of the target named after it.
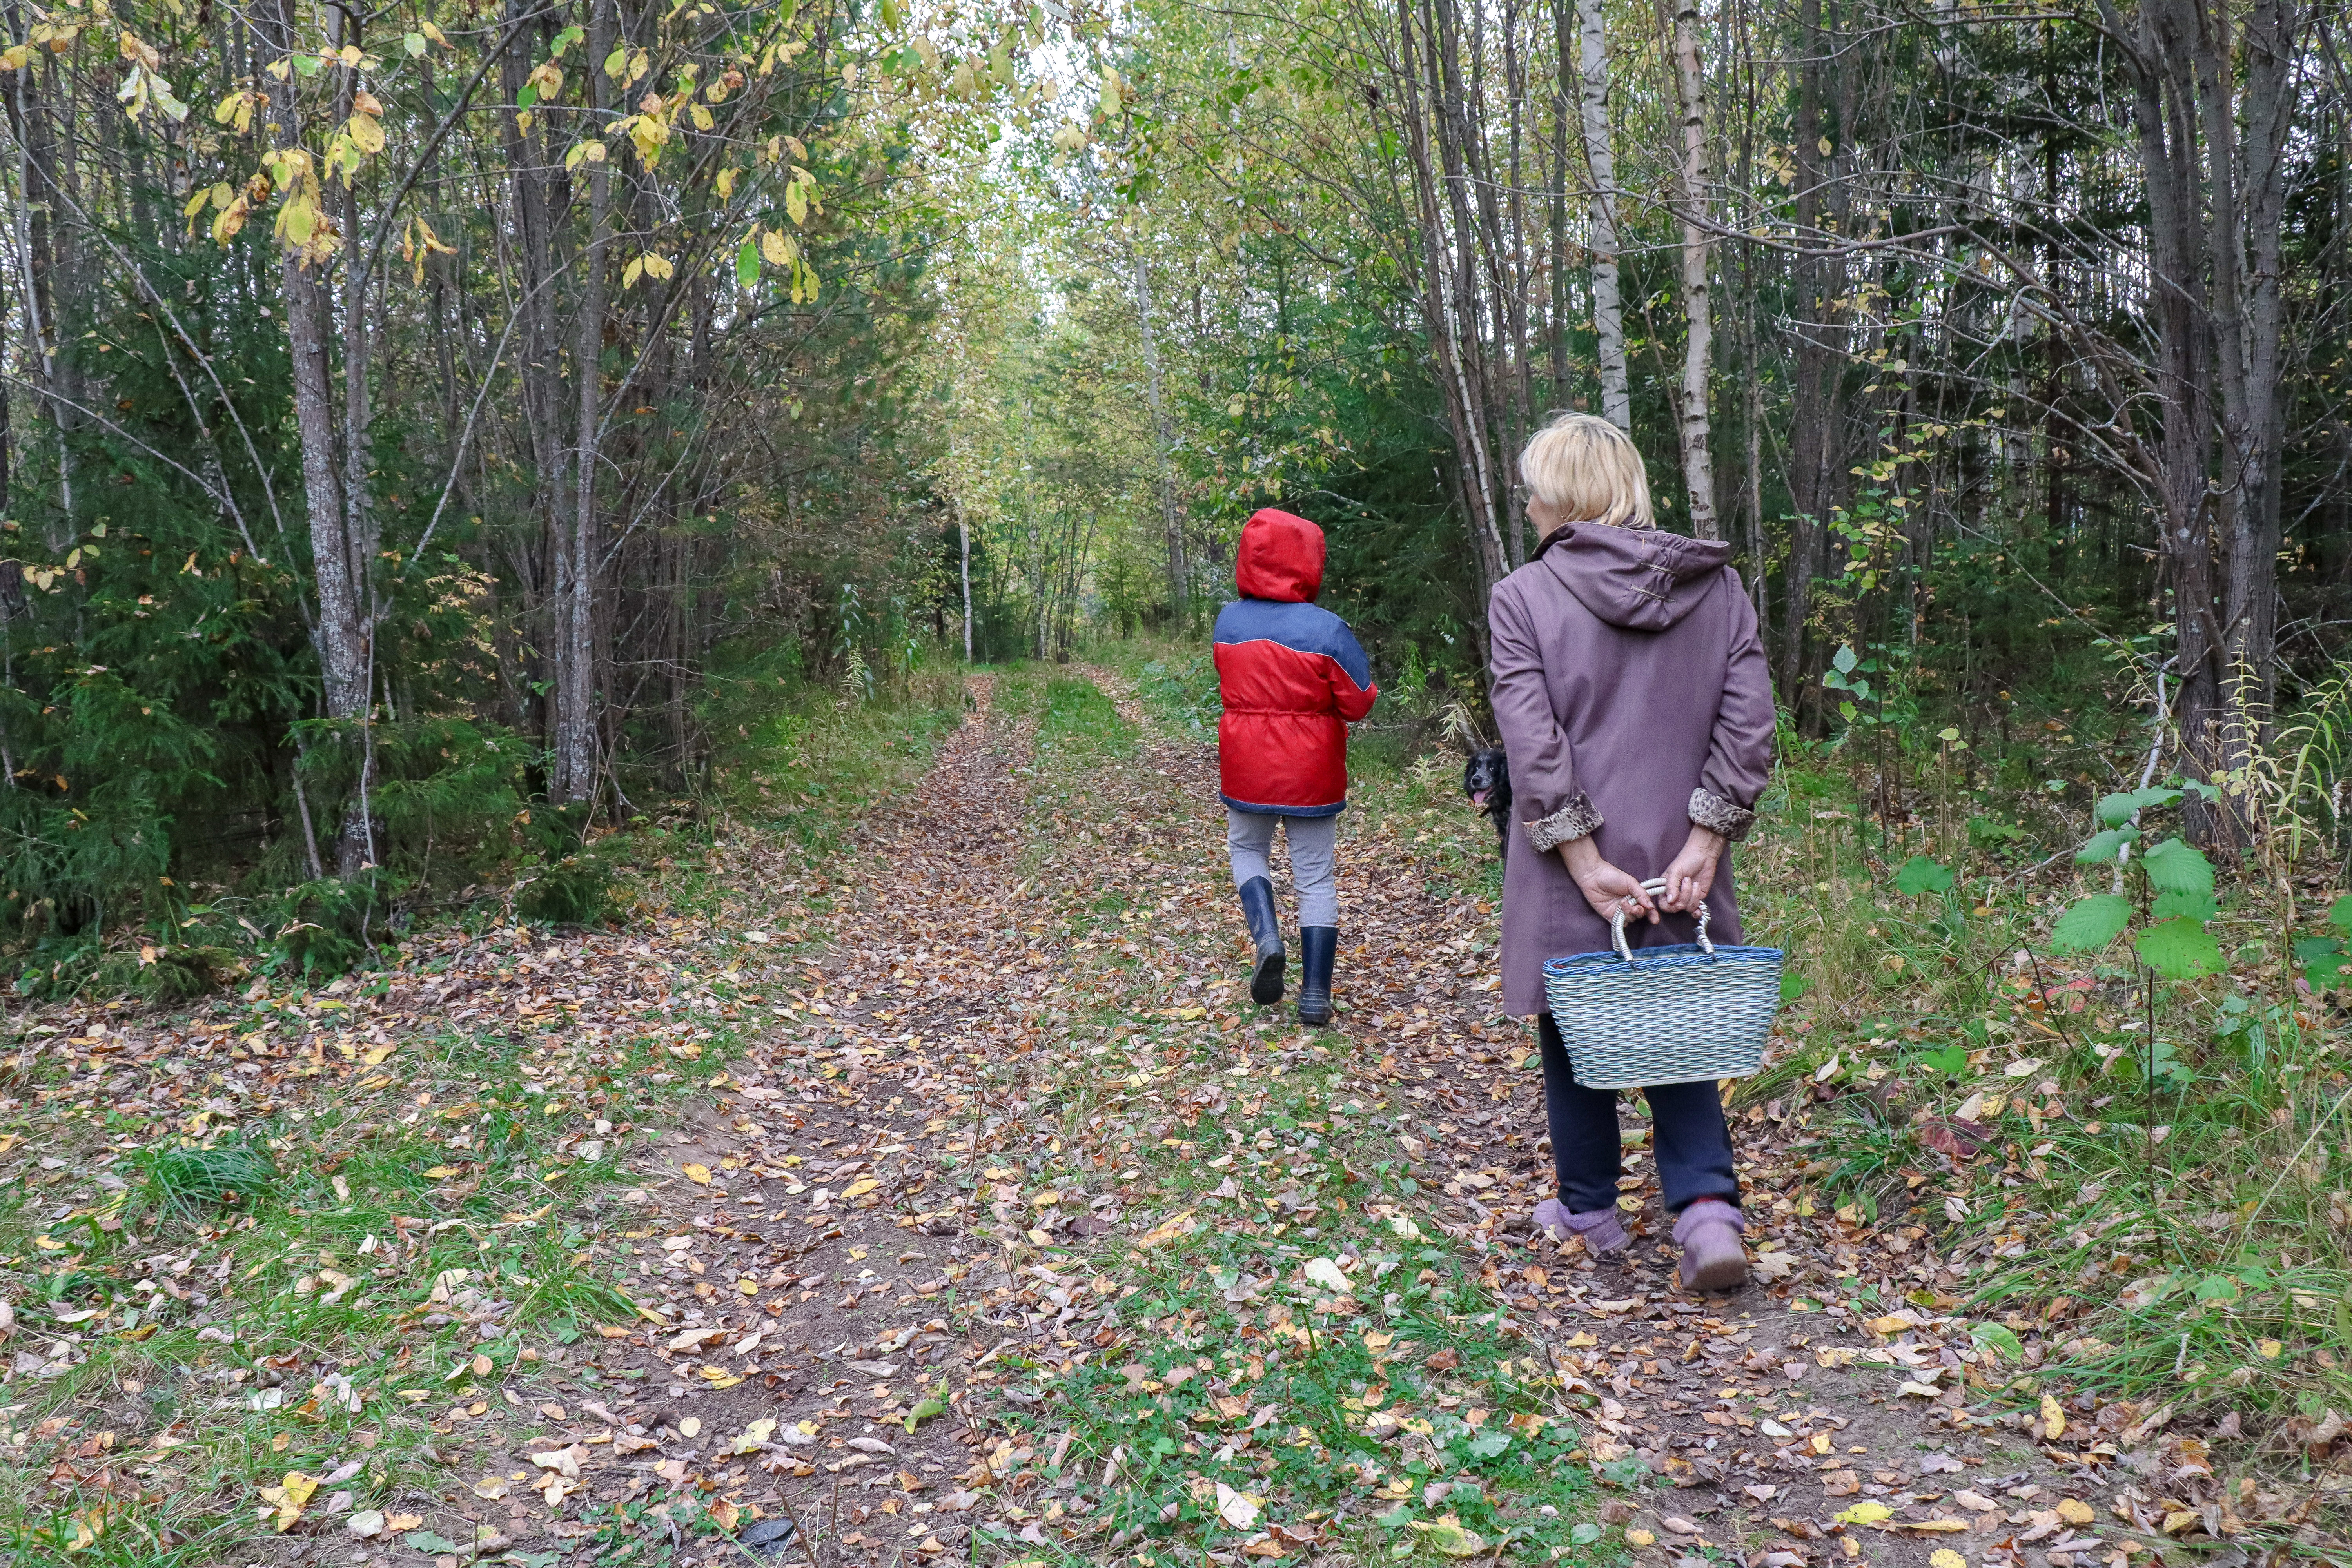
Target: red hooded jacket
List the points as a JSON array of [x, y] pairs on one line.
[[1292, 676]]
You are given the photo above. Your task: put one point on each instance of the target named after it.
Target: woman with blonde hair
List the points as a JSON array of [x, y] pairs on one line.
[[1632, 694]]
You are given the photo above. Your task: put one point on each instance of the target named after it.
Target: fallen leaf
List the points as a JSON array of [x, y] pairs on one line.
[[1238, 1509], [1326, 1273], [1944, 1557], [2053, 1420], [367, 1525], [1865, 1514], [2075, 1511], [564, 1462], [1449, 1537], [698, 1174], [290, 1495], [1639, 1537]]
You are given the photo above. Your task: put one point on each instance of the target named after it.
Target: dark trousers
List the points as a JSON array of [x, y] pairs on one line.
[[1689, 1139]]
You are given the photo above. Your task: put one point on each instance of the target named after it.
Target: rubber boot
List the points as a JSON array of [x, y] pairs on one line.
[[1603, 1231], [1258, 908], [1713, 1258], [1319, 946]]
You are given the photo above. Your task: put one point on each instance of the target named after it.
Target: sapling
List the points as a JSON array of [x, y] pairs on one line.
[[2163, 895]]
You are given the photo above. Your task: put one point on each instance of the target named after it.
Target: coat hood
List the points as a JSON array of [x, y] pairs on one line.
[[1281, 557], [1642, 579]]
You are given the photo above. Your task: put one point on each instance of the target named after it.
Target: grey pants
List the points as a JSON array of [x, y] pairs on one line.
[[1314, 861]]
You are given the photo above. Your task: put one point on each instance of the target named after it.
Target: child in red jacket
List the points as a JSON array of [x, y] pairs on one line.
[[1293, 679]]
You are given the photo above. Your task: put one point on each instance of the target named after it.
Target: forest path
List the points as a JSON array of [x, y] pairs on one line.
[[1770, 1411], [1012, 1232]]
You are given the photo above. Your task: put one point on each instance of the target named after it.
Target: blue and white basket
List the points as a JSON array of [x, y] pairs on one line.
[[1689, 1012]]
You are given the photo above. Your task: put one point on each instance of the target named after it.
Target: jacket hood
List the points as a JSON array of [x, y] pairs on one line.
[[1640, 578], [1281, 557]]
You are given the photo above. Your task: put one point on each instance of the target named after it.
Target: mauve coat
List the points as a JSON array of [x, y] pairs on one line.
[[1632, 694]]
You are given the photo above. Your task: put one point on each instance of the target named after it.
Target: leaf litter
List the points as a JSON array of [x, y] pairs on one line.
[[1006, 1223]]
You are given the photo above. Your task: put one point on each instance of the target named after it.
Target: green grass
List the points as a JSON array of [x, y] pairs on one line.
[[1486, 1450], [2183, 1238], [317, 1237]]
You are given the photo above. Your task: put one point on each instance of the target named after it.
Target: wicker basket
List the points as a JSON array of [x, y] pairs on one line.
[[1687, 1013]]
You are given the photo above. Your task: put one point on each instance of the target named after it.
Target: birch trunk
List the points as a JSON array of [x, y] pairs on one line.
[[1698, 344], [1601, 168]]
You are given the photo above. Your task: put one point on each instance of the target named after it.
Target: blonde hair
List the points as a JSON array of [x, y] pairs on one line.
[[1590, 470]]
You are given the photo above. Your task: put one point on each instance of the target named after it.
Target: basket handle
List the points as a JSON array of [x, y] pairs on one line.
[[1656, 888]]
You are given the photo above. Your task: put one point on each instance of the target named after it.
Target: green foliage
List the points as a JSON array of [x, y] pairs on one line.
[[2179, 949], [570, 891], [1920, 876], [2324, 958], [2092, 923]]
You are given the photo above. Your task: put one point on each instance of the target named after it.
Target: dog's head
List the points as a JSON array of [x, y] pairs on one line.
[[1485, 773]]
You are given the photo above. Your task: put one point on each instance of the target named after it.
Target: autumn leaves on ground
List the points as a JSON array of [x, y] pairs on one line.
[[936, 1194]]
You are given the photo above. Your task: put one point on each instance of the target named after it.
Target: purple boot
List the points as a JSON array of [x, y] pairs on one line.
[[1601, 1230], [1713, 1258]]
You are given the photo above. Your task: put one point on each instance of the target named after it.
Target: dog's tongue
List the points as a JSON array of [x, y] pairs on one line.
[[1478, 797]]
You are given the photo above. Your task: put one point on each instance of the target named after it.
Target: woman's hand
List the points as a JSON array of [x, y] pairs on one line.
[[1605, 887], [1693, 871]]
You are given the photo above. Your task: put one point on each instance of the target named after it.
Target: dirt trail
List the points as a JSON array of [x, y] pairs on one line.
[[861, 1168], [1768, 1414]]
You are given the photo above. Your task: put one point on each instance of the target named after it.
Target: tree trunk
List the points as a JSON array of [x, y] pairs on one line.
[[1163, 438], [1601, 168], [573, 765], [338, 571], [1698, 345]]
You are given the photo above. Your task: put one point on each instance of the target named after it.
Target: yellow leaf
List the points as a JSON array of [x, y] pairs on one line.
[[292, 1493], [365, 132], [1865, 1514], [630, 273], [1640, 1538], [698, 1174], [727, 184], [776, 247], [376, 1054], [859, 1188], [1448, 1536], [1941, 1526], [440, 1172], [2075, 1511], [702, 118], [1944, 1557], [2053, 1420]]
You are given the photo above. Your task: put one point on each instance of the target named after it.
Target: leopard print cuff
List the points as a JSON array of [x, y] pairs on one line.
[[1571, 822], [1715, 813]]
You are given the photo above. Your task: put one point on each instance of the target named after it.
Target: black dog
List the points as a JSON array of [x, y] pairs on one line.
[[1487, 780]]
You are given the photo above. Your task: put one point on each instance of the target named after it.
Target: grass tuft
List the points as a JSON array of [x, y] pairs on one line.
[[182, 1180]]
